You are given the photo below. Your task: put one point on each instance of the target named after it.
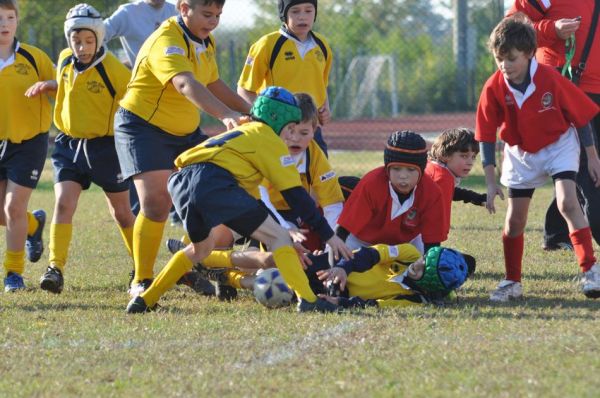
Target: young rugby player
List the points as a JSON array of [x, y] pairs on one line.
[[91, 81], [537, 111], [396, 203], [294, 57], [218, 184], [175, 75], [25, 118]]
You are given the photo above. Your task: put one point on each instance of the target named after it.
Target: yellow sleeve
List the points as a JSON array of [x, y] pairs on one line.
[[328, 65], [256, 67], [168, 57], [324, 181], [276, 164]]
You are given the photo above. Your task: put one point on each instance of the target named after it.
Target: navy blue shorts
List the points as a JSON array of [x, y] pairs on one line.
[[143, 147], [206, 195], [96, 161], [23, 163]]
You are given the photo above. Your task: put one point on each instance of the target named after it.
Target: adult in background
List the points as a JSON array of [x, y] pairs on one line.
[[135, 21], [554, 23]]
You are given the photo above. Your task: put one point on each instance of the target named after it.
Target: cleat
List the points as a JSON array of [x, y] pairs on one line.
[[197, 283], [34, 246], [590, 282], [52, 281], [225, 292], [506, 291], [137, 305], [566, 246], [138, 288], [320, 305], [174, 245], [13, 282]]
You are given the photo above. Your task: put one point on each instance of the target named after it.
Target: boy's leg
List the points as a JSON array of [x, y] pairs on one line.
[[580, 234], [590, 197], [556, 231], [120, 210], [67, 196]]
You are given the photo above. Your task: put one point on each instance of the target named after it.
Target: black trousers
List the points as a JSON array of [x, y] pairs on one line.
[[555, 226]]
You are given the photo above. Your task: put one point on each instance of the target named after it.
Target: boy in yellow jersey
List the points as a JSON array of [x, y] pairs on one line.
[[90, 82], [25, 118], [316, 174], [218, 184], [175, 75], [294, 57]]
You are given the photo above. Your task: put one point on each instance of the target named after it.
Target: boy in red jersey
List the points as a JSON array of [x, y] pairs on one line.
[[396, 203], [451, 158], [537, 112]]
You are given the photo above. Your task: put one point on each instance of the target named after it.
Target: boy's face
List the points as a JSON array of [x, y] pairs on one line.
[[298, 138], [404, 178], [460, 163], [83, 43], [287, 130], [416, 269], [8, 25], [300, 19], [514, 65], [201, 19]]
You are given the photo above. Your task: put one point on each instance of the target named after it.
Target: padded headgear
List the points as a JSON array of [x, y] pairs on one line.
[[276, 107], [406, 148], [284, 6], [84, 16], [445, 270]]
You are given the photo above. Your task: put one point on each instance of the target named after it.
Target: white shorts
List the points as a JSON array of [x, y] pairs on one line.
[[524, 170]]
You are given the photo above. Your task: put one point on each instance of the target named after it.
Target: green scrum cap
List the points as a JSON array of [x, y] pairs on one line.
[[276, 107], [445, 270]]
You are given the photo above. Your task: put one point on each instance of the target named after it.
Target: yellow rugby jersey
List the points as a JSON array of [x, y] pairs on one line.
[[323, 185], [85, 108], [150, 94], [308, 74], [375, 283], [250, 153], [23, 118]]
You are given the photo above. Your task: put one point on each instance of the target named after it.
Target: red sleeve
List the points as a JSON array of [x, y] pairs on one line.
[[536, 11], [577, 107], [358, 209], [489, 114], [433, 230]]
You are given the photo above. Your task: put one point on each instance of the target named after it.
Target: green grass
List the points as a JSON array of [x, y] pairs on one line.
[[81, 343]]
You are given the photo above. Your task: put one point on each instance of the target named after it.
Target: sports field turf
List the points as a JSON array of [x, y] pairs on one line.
[[81, 343]]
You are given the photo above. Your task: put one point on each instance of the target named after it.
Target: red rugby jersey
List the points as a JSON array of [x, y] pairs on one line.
[[535, 119], [367, 213]]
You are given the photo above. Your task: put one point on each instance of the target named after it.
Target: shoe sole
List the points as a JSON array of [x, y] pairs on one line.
[[594, 294], [50, 286], [510, 298]]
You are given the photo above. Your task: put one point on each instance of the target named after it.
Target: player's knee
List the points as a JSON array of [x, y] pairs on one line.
[[568, 206], [156, 207]]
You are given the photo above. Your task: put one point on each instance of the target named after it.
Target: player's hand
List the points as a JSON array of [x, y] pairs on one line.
[[332, 300], [298, 235], [234, 119], [41, 87], [492, 191], [324, 115], [302, 253], [594, 170], [566, 27], [338, 247], [334, 275]]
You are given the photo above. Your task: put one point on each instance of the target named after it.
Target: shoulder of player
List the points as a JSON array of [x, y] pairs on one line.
[[429, 189]]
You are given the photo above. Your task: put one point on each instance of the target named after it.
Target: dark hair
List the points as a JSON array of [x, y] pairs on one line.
[[515, 32], [460, 139], [10, 5], [308, 108], [194, 3]]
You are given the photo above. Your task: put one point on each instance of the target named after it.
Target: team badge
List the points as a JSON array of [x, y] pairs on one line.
[[327, 176], [22, 69], [411, 218], [171, 50], [508, 100], [249, 61], [319, 55], [287, 161], [547, 100], [94, 87], [35, 174], [289, 56]]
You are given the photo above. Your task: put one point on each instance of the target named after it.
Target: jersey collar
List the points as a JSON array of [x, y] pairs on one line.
[[397, 208], [445, 166], [518, 95], [10, 60], [80, 68], [302, 46], [203, 42]]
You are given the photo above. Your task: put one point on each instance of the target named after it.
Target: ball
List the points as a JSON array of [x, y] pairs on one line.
[[271, 290]]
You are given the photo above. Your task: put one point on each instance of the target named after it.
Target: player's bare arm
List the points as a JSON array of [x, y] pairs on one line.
[[202, 97], [229, 97]]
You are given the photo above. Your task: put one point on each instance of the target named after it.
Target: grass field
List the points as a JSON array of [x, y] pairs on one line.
[[81, 343]]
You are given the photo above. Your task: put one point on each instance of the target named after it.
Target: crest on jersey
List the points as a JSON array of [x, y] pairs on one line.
[[319, 55], [508, 99], [94, 87], [547, 100], [22, 69]]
